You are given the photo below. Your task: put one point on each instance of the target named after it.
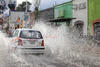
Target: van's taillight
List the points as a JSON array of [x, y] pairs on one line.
[[42, 44], [20, 42]]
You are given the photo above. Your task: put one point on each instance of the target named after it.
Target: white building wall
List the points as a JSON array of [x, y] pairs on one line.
[[80, 12]]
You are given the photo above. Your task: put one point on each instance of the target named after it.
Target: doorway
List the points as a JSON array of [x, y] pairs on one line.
[[79, 27], [97, 30]]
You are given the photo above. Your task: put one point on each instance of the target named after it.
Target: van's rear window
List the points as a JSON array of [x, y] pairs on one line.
[[30, 34]]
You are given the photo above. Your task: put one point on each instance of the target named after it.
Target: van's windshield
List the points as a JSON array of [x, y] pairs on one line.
[[30, 34]]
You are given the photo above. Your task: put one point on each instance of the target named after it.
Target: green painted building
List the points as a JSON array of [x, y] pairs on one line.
[[63, 10], [92, 13], [94, 17]]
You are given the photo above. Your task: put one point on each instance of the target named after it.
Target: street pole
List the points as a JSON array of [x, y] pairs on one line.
[[26, 13], [26, 7]]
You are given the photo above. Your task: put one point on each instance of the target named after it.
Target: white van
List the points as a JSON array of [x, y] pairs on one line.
[[28, 41]]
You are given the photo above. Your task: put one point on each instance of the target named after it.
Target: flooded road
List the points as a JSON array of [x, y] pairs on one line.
[[63, 49], [8, 59]]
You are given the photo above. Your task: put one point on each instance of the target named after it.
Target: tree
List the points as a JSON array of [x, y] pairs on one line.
[[22, 7]]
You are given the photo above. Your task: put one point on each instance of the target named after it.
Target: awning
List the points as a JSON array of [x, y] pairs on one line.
[[61, 20]]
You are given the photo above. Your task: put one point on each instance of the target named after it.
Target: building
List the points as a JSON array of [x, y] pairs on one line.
[[46, 14], [86, 14], [87, 17], [43, 15], [80, 12], [94, 18], [63, 11]]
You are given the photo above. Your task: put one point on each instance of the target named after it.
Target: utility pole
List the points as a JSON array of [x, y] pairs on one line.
[[26, 13], [9, 18], [55, 3], [26, 7], [36, 5]]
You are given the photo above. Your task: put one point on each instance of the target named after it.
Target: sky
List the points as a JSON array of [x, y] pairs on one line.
[[45, 3]]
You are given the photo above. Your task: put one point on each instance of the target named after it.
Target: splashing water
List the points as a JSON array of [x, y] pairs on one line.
[[8, 59], [60, 44], [4, 55], [68, 48]]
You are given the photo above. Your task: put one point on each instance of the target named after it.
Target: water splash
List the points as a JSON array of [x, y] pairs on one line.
[[7, 58], [60, 44], [3, 50], [65, 46]]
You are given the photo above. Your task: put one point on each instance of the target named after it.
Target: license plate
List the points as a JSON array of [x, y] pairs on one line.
[[32, 42]]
